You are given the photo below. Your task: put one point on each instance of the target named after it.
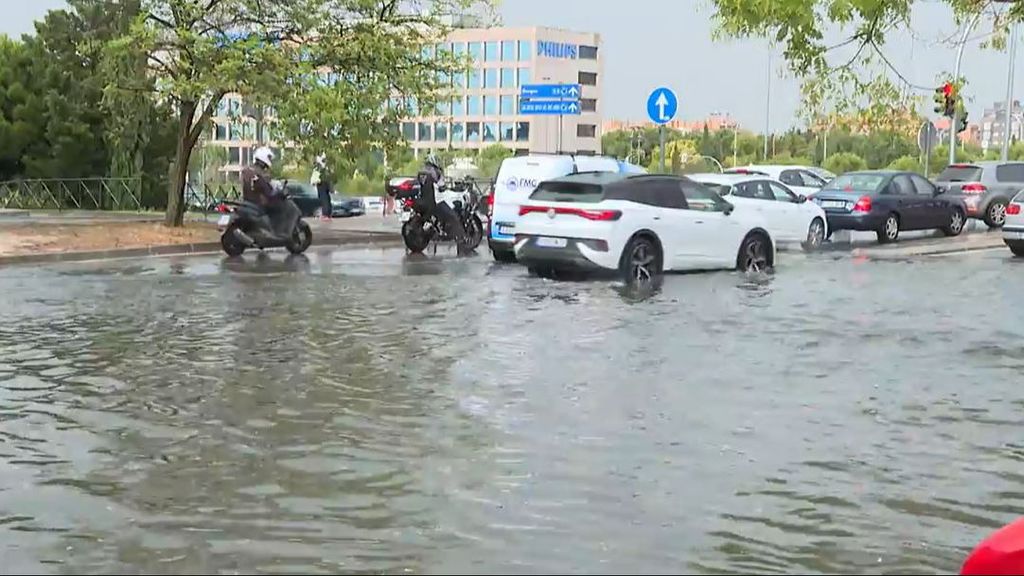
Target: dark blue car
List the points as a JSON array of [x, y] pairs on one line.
[[888, 201]]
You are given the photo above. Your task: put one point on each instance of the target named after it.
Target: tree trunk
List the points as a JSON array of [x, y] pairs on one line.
[[175, 216]]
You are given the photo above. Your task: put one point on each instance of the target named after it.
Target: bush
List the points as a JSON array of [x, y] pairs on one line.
[[907, 163], [844, 162]]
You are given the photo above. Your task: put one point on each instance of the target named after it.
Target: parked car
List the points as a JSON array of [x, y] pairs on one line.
[[800, 179], [789, 217], [403, 186], [307, 199], [1013, 230], [637, 225], [985, 187], [888, 202], [518, 177]]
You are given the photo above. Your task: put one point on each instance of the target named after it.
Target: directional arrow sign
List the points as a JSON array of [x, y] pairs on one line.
[[550, 91], [662, 106], [549, 108]]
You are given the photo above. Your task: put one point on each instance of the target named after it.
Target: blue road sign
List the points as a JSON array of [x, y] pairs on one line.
[[550, 91], [549, 107], [662, 105]]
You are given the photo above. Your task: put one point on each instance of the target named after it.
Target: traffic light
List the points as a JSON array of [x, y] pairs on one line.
[[945, 99]]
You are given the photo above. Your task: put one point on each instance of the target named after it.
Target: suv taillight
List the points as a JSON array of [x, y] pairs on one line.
[[973, 188]]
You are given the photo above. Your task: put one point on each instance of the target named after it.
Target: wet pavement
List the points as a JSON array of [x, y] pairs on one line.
[[361, 411]]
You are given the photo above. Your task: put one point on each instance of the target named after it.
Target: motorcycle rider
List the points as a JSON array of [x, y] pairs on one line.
[[431, 179], [258, 189]]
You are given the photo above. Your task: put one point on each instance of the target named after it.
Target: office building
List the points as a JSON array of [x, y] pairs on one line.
[[484, 108], [994, 129]]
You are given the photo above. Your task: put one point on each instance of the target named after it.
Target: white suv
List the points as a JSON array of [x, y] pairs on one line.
[[800, 179]]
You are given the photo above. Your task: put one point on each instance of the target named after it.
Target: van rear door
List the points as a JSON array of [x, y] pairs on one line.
[[517, 179]]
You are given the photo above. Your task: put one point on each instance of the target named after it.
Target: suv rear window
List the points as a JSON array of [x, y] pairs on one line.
[[960, 173], [556, 191]]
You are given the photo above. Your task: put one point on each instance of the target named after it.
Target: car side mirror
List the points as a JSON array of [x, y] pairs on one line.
[[728, 209], [801, 199]]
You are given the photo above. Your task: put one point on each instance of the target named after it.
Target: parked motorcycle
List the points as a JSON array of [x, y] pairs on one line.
[[419, 230], [246, 225]]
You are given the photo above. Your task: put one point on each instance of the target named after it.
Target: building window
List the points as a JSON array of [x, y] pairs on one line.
[[588, 105], [524, 76], [222, 132], [441, 132], [491, 78], [508, 77], [490, 105], [235, 132], [458, 106], [522, 131], [444, 79], [474, 79], [473, 131], [491, 52], [588, 52], [506, 132], [491, 132], [459, 80], [588, 78], [473, 105], [459, 48], [222, 107], [444, 108], [586, 130], [424, 132], [525, 50], [246, 156], [249, 130], [413, 106], [508, 106], [458, 132], [428, 52], [234, 155], [508, 51], [476, 51]]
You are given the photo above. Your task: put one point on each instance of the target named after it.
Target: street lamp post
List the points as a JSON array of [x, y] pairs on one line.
[[1008, 119], [768, 104], [956, 78]]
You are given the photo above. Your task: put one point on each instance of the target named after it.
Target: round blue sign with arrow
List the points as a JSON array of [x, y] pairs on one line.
[[662, 105]]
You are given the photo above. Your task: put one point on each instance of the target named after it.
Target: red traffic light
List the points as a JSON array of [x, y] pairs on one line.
[[947, 88]]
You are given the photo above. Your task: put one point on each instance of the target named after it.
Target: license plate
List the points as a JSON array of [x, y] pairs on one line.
[[833, 204], [546, 242], [406, 216], [224, 220], [505, 229]]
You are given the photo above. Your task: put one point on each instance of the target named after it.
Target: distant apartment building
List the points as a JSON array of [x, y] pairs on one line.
[[994, 129], [972, 135], [484, 108], [714, 122]]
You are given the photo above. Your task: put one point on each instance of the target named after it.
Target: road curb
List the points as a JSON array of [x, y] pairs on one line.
[[184, 249]]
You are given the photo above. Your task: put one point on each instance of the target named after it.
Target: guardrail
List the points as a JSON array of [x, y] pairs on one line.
[[73, 194]]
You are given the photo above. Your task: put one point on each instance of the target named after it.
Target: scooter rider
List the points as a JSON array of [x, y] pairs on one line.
[[257, 188], [431, 179]]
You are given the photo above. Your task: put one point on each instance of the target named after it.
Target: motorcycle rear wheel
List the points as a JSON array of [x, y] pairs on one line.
[[231, 243], [415, 237]]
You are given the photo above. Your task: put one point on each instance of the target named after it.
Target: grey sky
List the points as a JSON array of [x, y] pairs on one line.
[[668, 42]]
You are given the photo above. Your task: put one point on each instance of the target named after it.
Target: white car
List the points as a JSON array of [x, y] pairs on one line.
[[638, 225], [800, 179], [518, 177], [1013, 229], [789, 217]]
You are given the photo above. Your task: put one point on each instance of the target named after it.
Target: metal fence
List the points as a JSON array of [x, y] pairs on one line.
[[73, 194], [205, 198]]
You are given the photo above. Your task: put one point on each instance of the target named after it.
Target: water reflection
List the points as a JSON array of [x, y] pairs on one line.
[[263, 415]]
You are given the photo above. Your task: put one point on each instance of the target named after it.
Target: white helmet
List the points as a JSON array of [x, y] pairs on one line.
[[264, 155]]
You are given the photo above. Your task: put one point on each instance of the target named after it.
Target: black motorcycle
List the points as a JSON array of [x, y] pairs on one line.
[[246, 225], [420, 229]]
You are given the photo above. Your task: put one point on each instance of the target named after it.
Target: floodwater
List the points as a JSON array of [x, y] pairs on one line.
[[358, 411]]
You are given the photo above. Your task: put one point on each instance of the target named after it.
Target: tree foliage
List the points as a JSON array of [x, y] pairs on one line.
[[335, 75]]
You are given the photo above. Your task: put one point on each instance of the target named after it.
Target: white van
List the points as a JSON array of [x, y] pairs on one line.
[[518, 177]]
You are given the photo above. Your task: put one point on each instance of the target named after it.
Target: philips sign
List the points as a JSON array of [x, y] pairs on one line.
[[557, 50]]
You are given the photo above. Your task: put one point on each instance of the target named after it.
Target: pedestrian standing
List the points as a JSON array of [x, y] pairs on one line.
[[323, 181]]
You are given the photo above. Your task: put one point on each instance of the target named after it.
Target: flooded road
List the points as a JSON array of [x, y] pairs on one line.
[[357, 411]]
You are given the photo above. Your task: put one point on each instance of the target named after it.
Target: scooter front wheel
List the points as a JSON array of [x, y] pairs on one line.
[[302, 237], [231, 243]]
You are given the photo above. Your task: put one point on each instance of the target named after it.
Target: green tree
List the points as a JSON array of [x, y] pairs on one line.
[[489, 160], [908, 163], [328, 94], [844, 162]]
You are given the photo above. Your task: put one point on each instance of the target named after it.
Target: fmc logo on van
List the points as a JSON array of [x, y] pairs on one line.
[[514, 183], [557, 50]]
